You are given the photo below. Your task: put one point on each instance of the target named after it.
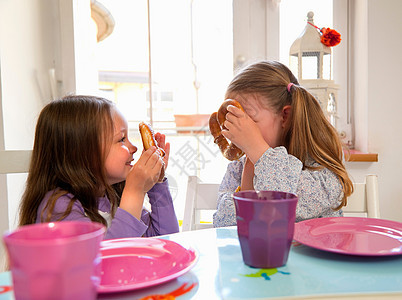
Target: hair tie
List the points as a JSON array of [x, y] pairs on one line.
[[289, 86]]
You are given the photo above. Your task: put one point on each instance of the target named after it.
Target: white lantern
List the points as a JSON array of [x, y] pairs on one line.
[[311, 62]]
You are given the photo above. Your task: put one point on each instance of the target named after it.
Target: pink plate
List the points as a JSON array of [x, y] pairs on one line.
[[134, 263], [350, 235]]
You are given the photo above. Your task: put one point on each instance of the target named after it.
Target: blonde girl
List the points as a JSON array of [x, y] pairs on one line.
[[289, 145]]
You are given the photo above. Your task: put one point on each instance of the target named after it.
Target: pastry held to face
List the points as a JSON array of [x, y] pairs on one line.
[[216, 120], [148, 140]]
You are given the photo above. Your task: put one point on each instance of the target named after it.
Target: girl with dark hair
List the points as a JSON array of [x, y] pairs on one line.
[[82, 169]]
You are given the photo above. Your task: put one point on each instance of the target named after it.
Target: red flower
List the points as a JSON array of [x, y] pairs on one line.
[[330, 37]]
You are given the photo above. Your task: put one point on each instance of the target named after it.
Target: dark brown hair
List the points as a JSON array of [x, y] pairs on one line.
[[309, 134], [72, 137]]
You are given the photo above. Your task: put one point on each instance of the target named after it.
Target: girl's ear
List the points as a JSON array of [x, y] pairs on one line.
[[286, 112]]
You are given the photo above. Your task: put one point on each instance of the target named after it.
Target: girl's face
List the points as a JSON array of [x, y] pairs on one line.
[[120, 156], [269, 123]]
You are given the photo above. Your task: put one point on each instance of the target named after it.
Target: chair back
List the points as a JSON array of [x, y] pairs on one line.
[[11, 162], [200, 197], [14, 161], [364, 202]]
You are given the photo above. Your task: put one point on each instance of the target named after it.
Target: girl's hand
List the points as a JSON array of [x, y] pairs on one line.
[[160, 139], [247, 176], [145, 172], [141, 178], [244, 133]]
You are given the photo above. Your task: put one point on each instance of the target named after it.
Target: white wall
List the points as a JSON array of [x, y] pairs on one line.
[[33, 41], [377, 64], [27, 52], [38, 38]]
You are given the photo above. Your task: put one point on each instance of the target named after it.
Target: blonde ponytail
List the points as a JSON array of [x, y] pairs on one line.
[[309, 134]]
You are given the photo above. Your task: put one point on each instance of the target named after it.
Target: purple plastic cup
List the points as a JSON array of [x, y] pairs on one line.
[[265, 226], [59, 260]]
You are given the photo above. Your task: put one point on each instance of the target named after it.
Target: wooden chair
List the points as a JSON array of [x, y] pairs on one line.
[[200, 197], [364, 202]]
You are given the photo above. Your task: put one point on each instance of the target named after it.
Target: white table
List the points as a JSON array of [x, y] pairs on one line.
[[309, 273]]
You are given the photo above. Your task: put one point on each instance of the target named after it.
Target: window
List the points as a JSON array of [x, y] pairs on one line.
[[181, 61], [191, 54], [177, 65]]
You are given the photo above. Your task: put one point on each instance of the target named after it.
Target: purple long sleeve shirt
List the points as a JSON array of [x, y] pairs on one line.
[[160, 220]]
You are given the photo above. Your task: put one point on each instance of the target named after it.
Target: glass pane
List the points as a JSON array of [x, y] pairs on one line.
[[192, 59], [310, 65], [123, 58], [191, 51], [326, 67]]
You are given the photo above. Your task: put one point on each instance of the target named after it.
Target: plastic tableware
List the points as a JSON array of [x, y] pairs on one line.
[[134, 263], [265, 226], [351, 235], [57, 260]]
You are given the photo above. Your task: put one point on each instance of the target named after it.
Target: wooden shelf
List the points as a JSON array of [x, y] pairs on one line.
[[357, 156]]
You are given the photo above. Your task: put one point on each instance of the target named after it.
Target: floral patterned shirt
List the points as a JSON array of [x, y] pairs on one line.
[[319, 191]]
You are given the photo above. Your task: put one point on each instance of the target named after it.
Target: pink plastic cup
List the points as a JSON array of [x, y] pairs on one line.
[[265, 226], [58, 260]]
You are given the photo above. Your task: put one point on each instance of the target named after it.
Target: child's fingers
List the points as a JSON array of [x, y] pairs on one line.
[[147, 154], [235, 111], [154, 163], [150, 164], [231, 119], [233, 124], [227, 134], [167, 153], [150, 156], [157, 166], [160, 139]]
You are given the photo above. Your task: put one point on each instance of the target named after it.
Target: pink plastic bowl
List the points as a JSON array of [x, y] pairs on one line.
[[58, 260]]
